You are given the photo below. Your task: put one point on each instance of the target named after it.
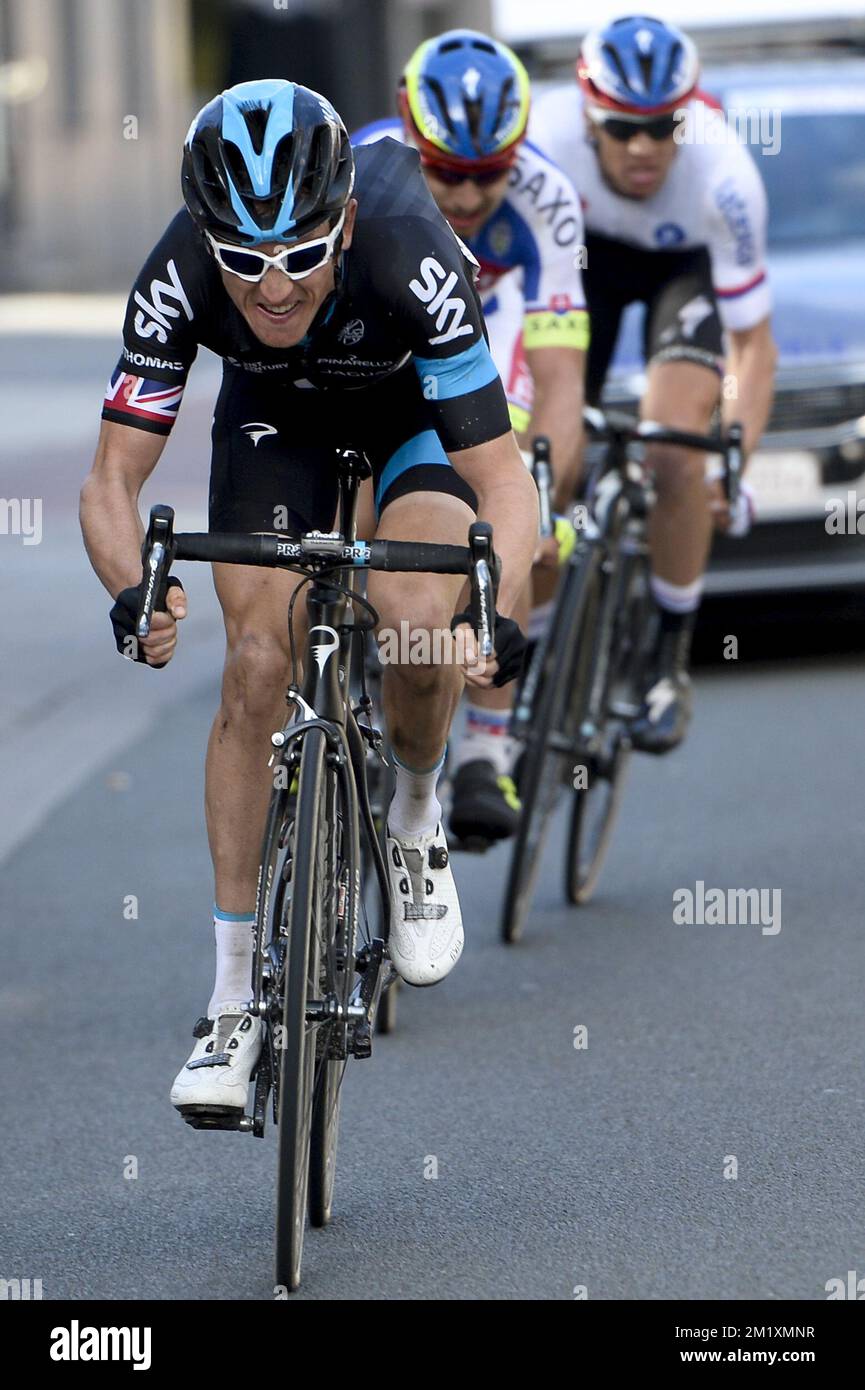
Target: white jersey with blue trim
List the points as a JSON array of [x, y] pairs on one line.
[[536, 233], [712, 196]]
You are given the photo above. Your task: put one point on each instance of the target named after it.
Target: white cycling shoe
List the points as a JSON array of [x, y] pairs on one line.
[[426, 929], [216, 1077]]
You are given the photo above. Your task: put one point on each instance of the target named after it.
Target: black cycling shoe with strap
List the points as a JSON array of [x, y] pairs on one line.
[[484, 806], [668, 700]]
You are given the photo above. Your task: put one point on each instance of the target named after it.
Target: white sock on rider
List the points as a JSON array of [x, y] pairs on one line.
[[676, 598], [486, 736], [415, 809], [233, 983]]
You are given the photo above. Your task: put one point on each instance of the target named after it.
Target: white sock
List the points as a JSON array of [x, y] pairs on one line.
[[415, 809], [486, 736], [676, 598], [233, 983]]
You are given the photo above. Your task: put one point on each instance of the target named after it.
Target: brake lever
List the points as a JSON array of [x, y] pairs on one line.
[[733, 464], [157, 555], [543, 476], [485, 570]]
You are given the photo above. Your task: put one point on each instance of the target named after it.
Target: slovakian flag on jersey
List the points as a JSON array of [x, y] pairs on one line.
[[135, 400]]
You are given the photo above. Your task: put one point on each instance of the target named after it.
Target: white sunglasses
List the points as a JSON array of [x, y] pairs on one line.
[[254, 265]]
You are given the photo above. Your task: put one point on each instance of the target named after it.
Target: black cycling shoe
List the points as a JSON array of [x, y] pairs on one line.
[[484, 807], [668, 702]]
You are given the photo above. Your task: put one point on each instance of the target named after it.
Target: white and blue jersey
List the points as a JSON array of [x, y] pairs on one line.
[[712, 197]]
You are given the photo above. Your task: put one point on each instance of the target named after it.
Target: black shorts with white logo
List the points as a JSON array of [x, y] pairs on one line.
[[274, 464], [682, 322]]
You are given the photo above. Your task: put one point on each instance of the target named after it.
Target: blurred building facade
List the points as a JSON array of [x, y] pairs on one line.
[[91, 128], [96, 96]]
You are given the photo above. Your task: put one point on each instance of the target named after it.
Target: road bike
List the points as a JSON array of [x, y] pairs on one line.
[[318, 971], [583, 684]]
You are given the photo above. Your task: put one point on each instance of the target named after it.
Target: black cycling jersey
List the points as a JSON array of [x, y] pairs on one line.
[[405, 296]]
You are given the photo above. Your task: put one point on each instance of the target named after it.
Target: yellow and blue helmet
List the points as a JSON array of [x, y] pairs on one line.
[[464, 99]]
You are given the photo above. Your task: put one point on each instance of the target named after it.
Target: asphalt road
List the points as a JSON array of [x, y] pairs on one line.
[[601, 1167]]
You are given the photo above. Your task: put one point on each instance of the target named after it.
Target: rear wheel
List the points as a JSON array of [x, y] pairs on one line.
[[386, 1016], [593, 816], [323, 1139], [336, 978]]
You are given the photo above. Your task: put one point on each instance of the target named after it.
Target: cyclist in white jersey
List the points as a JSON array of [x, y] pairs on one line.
[[464, 103], [676, 219]]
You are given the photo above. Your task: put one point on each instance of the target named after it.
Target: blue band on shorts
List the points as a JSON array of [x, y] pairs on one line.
[[423, 448]]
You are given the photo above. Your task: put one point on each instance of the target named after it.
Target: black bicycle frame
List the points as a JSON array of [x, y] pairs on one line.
[[324, 697]]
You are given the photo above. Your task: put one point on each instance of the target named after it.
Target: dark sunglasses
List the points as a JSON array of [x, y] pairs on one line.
[[453, 177], [656, 127]]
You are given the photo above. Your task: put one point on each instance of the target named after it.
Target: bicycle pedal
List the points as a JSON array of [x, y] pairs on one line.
[[215, 1117]]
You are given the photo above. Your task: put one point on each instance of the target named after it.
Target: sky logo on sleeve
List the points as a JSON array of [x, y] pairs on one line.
[[167, 299], [434, 290]]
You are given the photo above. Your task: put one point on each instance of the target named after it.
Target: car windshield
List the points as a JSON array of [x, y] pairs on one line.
[[816, 182]]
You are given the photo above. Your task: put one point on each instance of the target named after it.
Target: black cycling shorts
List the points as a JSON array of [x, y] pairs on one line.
[[682, 322], [274, 462]]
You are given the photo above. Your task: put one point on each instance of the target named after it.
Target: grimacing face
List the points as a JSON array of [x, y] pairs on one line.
[[635, 168], [467, 205], [278, 310]]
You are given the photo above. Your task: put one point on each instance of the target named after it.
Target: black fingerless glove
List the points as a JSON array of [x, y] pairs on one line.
[[123, 617], [510, 645]]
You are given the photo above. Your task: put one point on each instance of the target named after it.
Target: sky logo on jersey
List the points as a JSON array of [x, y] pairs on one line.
[[141, 399], [160, 308], [434, 290]]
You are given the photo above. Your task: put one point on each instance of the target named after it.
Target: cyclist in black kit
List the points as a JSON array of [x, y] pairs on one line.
[[344, 309]]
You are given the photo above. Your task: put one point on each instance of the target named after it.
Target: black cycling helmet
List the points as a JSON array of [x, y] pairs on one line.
[[266, 161]]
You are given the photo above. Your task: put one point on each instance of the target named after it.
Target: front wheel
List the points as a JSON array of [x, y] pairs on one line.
[[306, 905], [549, 743], [610, 644]]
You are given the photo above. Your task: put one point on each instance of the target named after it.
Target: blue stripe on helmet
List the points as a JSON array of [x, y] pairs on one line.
[[280, 122]]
